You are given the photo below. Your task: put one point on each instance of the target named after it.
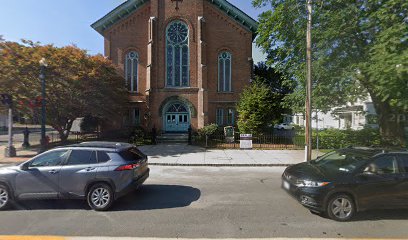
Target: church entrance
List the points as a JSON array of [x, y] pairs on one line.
[[176, 118]]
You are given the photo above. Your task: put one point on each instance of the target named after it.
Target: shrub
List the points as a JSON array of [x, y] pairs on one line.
[[255, 108], [335, 138], [209, 130]]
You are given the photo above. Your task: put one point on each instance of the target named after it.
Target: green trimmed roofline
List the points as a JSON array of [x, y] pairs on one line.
[[127, 8], [121, 12]]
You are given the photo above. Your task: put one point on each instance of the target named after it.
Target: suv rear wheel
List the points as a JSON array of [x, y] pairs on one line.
[[100, 197], [341, 208], [4, 197]]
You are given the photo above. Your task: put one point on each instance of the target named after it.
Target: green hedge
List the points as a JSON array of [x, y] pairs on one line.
[[334, 138]]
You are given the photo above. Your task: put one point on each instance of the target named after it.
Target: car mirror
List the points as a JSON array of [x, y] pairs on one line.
[[24, 166]]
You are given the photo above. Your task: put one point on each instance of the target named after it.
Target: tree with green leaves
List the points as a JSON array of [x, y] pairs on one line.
[[256, 107], [360, 48], [77, 84], [275, 81]]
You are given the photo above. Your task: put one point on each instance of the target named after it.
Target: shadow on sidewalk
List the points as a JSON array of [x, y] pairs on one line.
[[148, 197]]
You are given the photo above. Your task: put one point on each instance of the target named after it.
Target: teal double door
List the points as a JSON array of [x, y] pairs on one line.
[[177, 122]]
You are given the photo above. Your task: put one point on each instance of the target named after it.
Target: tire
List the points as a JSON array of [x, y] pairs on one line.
[[4, 197], [100, 197], [341, 208]]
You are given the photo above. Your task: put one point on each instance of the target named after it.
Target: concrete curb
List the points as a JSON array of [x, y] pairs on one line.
[[193, 165], [147, 238]]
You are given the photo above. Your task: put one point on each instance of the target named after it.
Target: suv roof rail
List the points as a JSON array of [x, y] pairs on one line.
[[110, 145], [395, 150]]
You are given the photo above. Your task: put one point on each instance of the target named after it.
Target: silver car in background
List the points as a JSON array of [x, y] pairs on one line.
[[99, 172]]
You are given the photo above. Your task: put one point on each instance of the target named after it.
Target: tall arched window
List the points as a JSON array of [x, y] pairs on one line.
[[177, 55], [224, 72], [131, 71]]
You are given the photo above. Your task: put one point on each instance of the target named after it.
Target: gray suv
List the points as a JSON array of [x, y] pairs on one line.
[[99, 172]]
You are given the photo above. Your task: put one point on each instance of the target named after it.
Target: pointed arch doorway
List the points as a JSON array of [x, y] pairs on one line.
[[176, 118]]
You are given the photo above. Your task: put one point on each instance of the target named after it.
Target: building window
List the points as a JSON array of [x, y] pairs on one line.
[[230, 117], [131, 71], [224, 72], [135, 117], [177, 55], [220, 117]]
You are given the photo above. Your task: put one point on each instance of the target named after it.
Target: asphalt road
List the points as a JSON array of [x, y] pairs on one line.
[[182, 202]]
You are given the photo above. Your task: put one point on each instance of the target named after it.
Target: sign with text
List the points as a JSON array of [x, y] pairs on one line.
[[245, 141]]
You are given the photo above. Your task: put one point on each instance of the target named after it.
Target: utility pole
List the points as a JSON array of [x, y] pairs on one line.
[[308, 134], [317, 133], [43, 141]]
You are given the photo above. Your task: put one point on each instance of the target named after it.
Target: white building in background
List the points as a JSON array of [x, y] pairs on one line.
[[354, 116]]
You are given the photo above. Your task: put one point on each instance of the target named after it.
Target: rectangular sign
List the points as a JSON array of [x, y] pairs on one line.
[[245, 141]]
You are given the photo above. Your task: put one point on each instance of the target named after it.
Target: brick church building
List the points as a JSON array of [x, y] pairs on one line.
[[185, 62]]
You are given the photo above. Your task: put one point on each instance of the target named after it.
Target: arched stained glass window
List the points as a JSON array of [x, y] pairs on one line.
[[176, 108], [131, 71], [224, 72], [177, 55]]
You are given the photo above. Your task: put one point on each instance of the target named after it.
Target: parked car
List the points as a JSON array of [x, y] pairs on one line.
[[99, 172], [346, 181], [284, 126]]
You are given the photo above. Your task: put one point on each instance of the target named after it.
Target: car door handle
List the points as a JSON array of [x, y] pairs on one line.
[[53, 171], [89, 169]]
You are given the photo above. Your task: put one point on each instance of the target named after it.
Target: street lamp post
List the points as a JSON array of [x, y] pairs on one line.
[[43, 141]]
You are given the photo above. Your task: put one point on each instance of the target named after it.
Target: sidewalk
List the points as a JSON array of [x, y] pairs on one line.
[[186, 155], [147, 238], [22, 155]]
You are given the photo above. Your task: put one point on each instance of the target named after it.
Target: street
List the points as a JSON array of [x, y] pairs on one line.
[[200, 202]]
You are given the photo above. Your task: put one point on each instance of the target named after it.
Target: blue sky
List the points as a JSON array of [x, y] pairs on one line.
[[63, 22]]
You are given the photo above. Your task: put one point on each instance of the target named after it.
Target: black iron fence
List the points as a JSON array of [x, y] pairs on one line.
[[267, 141], [54, 138], [279, 141]]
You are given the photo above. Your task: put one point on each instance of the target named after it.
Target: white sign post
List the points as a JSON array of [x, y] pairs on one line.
[[245, 141]]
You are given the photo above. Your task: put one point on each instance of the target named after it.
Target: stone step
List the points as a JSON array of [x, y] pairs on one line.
[[173, 138]]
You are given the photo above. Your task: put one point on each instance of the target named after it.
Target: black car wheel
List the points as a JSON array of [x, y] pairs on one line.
[[100, 197], [4, 197], [341, 208]]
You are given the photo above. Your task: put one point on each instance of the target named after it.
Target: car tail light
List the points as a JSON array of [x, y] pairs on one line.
[[127, 167]]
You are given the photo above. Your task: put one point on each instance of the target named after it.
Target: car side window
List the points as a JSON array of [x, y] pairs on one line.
[[82, 157], [384, 165], [404, 161], [53, 158], [103, 157]]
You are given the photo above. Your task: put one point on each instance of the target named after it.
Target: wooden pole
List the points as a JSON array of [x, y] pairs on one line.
[[308, 134]]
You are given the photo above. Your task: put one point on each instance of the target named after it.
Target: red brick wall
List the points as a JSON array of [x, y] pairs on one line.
[[221, 33]]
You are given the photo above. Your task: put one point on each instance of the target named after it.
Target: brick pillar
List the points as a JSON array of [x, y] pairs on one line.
[[150, 69], [202, 111]]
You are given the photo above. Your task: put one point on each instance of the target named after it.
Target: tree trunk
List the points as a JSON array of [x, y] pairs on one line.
[[391, 128], [63, 131], [63, 136]]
